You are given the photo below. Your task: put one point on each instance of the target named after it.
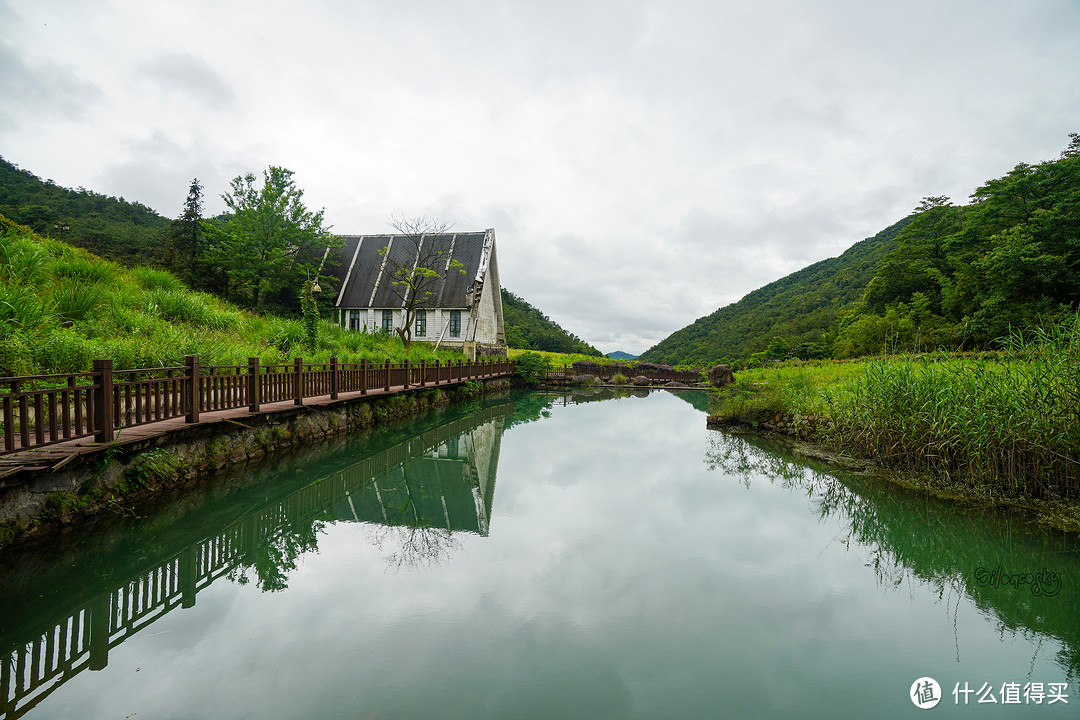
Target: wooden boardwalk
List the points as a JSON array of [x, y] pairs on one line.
[[52, 457]]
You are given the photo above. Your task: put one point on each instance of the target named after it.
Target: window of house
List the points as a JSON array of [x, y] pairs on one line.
[[354, 319], [387, 320], [455, 323], [421, 323]]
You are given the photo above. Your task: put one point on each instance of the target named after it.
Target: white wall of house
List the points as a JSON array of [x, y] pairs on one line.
[[371, 320]]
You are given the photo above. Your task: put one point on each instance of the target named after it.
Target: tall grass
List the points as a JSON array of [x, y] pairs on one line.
[[1012, 426]]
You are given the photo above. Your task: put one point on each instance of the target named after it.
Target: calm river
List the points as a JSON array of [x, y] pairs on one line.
[[542, 556]]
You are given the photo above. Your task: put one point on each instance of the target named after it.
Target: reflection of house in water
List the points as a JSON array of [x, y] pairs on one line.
[[443, 478], [449, 485]]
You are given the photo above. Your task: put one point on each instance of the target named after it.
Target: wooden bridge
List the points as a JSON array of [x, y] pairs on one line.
[[77, 636], [48, 420]]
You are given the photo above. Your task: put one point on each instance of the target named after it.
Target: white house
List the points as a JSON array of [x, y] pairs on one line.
[[464, 310]]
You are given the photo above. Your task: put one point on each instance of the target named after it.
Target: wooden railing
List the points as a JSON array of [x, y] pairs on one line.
[[42, 410]]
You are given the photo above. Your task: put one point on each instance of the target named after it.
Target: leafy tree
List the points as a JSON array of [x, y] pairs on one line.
[[270, 243], [414, 276], [778, 349]]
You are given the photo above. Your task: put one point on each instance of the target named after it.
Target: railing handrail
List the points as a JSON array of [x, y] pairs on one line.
[[38, 416]]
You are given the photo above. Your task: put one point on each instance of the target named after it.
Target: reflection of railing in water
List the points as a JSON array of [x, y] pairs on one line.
[[37, 665]]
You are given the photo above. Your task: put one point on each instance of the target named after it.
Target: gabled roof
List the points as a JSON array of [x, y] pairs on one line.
[[360, 267]]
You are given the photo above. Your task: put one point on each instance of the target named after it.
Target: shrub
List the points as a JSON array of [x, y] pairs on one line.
[[77, 301], [531, 367], [86, 268], [150, 278]]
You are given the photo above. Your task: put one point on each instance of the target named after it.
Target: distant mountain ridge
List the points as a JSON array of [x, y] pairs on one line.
[[800, 307], [620, 355]]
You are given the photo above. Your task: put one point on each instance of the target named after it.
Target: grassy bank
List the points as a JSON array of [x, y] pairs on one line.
[[61, 307], [1002, 426]]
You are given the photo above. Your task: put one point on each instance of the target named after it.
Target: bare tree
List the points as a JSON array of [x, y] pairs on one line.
[[415, 276]]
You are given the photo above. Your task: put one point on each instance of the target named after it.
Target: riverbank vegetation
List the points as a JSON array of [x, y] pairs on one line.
[[61, 307], [1003, 424]]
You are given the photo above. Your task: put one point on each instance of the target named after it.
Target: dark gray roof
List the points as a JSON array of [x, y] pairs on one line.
[[361, 264]]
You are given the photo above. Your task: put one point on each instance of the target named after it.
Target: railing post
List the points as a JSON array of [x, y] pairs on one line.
[[423, 373], [99, 630], [406, 373], [103, 402], [298, 381], [363, 376], [333, 378], [253, 384], [191, 396], [438, 371], [387, 365], [9, 416], [187, 576]]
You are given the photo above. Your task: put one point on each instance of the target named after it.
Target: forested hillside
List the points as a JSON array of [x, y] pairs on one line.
[[963, 277], [530, 329], [801, 308], [116, 228]]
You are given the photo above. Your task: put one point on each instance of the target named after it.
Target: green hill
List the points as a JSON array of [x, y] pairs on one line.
[[620, 355], [529, 329], [115, 228], [800, 308]]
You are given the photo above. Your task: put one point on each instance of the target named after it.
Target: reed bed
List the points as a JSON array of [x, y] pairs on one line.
[[1009, 425]]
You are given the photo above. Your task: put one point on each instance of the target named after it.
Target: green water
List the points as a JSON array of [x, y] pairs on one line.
[[542, 557]]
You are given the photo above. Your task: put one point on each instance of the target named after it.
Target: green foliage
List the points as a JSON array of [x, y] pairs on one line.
[[78, 301], [619, 379], [778, 349], [532, 367], [269, 243], [150, 278], [529, 329], [311, 319], [149, 468]]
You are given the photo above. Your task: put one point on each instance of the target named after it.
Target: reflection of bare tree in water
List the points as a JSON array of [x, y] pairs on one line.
[[906, 536], [414, 546]]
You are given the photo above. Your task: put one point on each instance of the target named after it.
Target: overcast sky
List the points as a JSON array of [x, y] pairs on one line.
[[643, 163]]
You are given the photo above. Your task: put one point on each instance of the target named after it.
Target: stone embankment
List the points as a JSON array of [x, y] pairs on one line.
[[810, 428]]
